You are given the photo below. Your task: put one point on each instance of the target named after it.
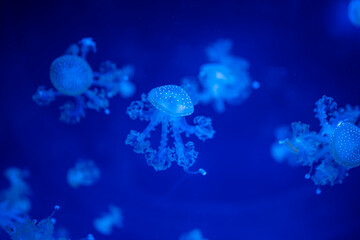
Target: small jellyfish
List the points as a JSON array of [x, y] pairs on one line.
[[345, 144], [72, 77], [168, 105], [225, 80], [354, 12], [85, 173], [108, 221]]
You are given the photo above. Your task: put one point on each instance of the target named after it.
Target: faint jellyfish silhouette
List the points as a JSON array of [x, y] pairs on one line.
[[106, 223], [225, 80], [84, 173]]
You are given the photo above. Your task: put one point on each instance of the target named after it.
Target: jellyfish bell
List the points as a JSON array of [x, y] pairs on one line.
[[345, 144], [71, 75], [171, 100]]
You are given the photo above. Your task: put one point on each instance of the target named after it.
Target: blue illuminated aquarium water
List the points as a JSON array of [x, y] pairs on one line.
[[140, 85]]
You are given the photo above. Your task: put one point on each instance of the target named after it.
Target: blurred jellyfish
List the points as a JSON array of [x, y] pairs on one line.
[[14, 201], [192, 235], [354, 12], [14, 208], [72, 76], [168, 105], [27, 228], [84, 173], [332, 151], [225, 80], [106, 223]]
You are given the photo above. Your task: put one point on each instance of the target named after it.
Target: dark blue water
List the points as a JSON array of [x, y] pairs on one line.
[[298, 51]]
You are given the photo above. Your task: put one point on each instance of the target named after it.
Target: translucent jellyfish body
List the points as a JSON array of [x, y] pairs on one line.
[[108, 221], [329, 153], [72, 77], [168, 105], [345, 144], [354, 12], [224, 80], [84, 173]]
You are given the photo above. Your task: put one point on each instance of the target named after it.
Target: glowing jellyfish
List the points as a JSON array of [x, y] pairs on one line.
[[168, 105], [354, 12], [72, 77], [225, 80], [108, 221], [345, 144], [84, 173], [329, 153]]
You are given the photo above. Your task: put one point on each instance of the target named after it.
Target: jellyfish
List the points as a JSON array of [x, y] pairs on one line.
[[108, 221], [354, 12], [73, 78], [84, 173], [168, 105], [14, 201], [330, 153], [27, 228], [225, 80], [345, 144]]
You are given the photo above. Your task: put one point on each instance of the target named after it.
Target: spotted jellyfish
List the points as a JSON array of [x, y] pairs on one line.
[[72, 77], [168, 105], [329, 153]]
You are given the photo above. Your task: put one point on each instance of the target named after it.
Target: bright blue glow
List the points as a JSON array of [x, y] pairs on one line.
[[345, 144], [330, 152], [354, 12], [166, 106], [192, 235], [72, 76]]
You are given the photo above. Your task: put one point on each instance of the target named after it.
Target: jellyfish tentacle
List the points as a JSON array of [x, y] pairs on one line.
[[163, 158], [72, 112], [186, 154], [44, 97], [97, 100]]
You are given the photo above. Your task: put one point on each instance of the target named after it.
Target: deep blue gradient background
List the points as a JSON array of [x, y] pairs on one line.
[[298, 51]]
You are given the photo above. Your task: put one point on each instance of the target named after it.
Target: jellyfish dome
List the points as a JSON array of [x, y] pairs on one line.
[[345, 144], [172, 100], [71, 75]]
